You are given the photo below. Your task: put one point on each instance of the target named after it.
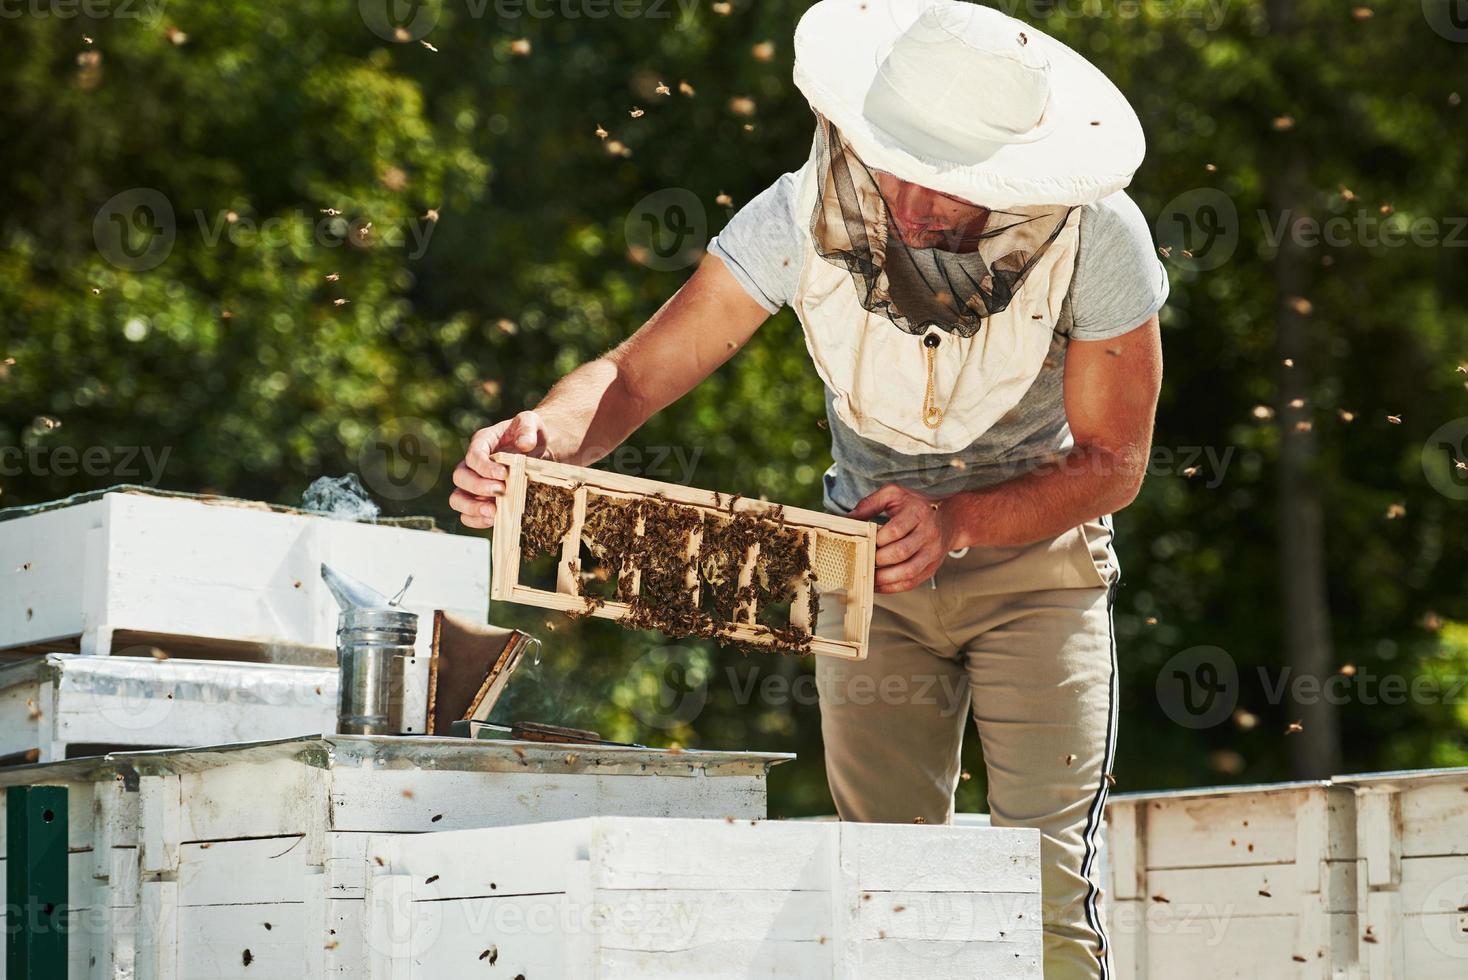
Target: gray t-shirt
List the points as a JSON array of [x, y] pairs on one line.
[[1119, 283]]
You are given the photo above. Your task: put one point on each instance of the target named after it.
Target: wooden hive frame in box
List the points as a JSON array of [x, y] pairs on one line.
[[842, 552]]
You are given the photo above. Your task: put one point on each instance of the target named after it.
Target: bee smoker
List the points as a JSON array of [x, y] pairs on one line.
[[372, 633]]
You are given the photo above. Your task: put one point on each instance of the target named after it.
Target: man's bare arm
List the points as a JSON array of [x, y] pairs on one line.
[[1111, 389], [594, 408]]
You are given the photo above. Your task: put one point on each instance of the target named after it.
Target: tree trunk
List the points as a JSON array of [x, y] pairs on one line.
[[1315, 751]]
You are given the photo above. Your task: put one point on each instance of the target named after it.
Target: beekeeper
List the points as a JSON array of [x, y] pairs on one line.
[[980, 298]]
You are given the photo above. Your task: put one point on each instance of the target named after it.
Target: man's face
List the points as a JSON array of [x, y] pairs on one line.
[[925, 218]]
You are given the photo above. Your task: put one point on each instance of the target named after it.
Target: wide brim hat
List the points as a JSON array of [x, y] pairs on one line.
[[966, 100]]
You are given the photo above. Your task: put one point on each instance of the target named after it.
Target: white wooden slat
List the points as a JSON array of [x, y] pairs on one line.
[[530, 859], [140, 701], [666, 920], [1434, 816], [942, 961], [232, 942], [42, 558], [158, 933], [648, 853], [395, 935], [1379, 837], [1127, 876], [487, 937], [346, 865], [1381, 948], [409, 801], [1126, 928], [252, 799], [887, 857], [951, 917], [345, 940], [781, 961], [114, 948], [243, 872], [1435, 947], [161, 824], [1229, 829], [1222, 892], [1263, 947], [738, 855], [1434, 885]]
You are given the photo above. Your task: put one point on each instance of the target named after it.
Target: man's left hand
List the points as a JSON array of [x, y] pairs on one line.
[[913, 542]]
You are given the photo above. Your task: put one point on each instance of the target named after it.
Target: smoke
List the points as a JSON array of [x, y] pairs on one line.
[[341, 498]]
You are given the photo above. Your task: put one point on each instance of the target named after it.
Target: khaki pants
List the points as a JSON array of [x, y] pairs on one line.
[[1023, 637]]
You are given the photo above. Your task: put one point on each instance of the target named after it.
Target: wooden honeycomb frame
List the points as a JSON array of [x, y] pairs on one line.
[[828, 536]]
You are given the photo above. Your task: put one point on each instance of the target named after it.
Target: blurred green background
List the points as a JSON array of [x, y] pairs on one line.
[[1316, 533]]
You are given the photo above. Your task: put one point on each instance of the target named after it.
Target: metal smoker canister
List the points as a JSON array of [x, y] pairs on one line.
[[368, 643]]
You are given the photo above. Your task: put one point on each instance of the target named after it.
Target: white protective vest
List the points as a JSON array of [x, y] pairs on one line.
[[878, 373]]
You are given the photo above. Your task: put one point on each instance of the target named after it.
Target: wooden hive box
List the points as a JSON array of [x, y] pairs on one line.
[[1412, 880], [840, 555], [214, 577], [1255, 881], [182, 862], [641, 899], [67, 704]]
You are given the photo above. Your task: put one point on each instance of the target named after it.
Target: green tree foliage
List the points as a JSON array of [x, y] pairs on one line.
[[497, 259]]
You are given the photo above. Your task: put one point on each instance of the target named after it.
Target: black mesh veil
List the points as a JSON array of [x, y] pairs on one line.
[[954, 283]]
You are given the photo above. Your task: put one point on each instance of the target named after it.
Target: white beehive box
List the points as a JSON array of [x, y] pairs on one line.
[[182, 861], [641, 899], [1412, 881], [62, 702], [130, 568], [1242, 882]]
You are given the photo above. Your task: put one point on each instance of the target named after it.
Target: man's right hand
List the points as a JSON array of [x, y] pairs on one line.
[[479, 479]]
